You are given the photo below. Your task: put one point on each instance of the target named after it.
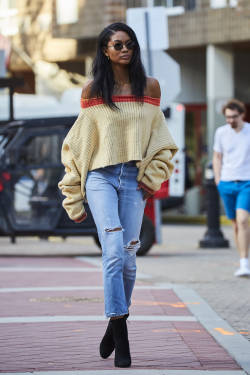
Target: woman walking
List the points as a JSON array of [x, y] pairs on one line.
[[116, 155]]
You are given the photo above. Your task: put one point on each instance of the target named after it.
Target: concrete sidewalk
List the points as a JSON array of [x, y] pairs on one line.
[[51, 322]]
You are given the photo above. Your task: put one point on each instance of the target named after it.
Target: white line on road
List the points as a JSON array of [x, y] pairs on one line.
[[49, 269], [68, 288], [94, 261], [62, 269], [98, 262], [130, 372], [93, 318]]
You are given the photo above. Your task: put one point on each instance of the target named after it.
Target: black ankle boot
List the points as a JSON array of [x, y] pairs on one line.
[[120, 336], [107, 344]]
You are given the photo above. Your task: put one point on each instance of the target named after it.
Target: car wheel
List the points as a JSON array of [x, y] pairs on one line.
[[147, 236], [97, 242]]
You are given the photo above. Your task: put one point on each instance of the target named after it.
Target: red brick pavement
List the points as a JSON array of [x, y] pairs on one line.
[[43, 262], [74, 345], [88, 302], [46, 279]]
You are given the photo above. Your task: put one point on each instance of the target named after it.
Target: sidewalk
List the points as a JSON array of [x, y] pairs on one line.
[[51, 322]]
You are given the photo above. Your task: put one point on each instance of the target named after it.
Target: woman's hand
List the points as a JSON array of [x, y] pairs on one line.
[[146, 194], [146, 191], [81, 219]]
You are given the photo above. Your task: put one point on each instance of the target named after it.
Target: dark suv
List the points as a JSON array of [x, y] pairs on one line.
[[30, 168]]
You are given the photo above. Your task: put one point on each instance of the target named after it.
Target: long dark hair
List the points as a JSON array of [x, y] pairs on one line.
[[103, 83]]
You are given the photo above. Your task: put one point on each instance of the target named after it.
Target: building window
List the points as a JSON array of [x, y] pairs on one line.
[[190, 4], [66, 11], [12, 4], [185, 4], [215, 4], [6, 6], [8, 17]]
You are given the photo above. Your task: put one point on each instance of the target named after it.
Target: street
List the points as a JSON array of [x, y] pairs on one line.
[[189, 314]]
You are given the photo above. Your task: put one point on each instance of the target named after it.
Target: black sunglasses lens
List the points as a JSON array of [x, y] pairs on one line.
[[130, 44], [118, 46]]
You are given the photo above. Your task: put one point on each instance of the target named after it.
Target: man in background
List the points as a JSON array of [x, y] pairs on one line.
[[231, 163]]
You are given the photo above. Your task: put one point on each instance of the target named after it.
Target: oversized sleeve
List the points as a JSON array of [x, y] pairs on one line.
[[77, 150], [156, 167]]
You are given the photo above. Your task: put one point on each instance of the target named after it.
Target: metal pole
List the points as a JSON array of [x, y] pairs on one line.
[[11, 88], [213, 238], [158, 221], [150, 65]]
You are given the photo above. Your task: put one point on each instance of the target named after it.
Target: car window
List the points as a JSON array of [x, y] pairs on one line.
[[4, 141], [41, 149]]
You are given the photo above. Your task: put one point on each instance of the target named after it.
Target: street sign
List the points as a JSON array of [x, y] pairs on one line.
[[158, 26], [151, 28], [167, 71]]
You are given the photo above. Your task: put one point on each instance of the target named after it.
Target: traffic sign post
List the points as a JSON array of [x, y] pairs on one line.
[[151, 28]]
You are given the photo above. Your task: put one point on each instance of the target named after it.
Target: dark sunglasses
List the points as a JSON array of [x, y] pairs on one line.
[[118, 46]]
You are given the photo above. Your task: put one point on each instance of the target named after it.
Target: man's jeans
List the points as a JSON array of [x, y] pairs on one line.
[[117, 208]]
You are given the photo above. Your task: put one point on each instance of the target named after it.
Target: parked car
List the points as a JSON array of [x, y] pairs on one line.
[[30, 168]]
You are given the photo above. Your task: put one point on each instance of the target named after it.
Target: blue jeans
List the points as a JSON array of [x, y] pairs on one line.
[[117, 208]]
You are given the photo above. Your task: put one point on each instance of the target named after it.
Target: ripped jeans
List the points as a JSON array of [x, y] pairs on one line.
[[117, 208]]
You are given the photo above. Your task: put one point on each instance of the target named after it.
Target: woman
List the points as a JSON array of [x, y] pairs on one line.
[[116, 155]]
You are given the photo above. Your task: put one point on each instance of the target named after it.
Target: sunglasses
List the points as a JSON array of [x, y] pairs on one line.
[[118, 46]]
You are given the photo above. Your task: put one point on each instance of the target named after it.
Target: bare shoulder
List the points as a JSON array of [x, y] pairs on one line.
[[86, 89], [153, 88]]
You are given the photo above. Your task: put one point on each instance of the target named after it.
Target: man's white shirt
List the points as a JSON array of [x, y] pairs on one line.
[[235, 149]]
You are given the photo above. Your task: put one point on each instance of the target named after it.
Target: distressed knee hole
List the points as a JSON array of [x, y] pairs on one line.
[[133, 245], [118, 229]]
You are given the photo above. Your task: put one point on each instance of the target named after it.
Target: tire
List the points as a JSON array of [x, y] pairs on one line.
[[97, 242], [147, 236]]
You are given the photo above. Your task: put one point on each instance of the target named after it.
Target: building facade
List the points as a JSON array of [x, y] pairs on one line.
[[209, 39]]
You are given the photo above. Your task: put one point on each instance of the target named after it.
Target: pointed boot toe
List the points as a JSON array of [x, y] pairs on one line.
[[107, 344]]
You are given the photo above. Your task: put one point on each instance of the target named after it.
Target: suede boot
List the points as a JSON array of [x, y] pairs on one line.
[[107, 344], [120, 336]]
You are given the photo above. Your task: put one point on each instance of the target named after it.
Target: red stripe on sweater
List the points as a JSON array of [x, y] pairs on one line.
[[85, 103]]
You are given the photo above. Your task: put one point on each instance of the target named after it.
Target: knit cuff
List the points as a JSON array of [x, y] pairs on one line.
[[83, 217], [141, 185]]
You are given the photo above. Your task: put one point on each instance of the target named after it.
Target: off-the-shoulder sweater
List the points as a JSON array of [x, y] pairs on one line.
[[102, 136]]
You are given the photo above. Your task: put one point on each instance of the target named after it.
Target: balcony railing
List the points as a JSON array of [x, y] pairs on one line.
[[186, 4]]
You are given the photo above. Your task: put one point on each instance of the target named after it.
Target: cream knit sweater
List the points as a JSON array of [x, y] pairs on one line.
[[101, 137]]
